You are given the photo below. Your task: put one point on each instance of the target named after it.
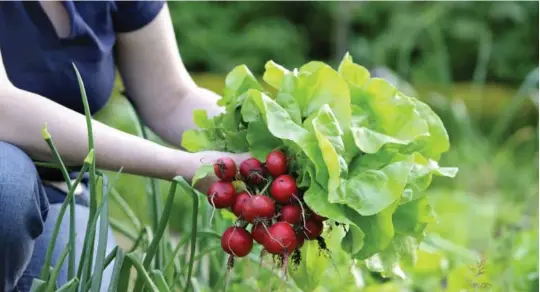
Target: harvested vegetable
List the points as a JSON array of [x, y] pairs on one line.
[[360, 154]]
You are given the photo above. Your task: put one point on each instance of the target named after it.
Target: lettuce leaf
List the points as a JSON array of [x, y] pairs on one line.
[[362, 152]]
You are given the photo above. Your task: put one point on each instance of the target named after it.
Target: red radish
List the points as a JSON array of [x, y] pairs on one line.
[[291, 214], [236, 241], [299, 240], [225, 168], [317, 217], [239, 203], [258, 231], [312, 215], [281, 238], [283, 188], [258, 207], [276, 163], [252, 170], [313, 229], [221, 194]]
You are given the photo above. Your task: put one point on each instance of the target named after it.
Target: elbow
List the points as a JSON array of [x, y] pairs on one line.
[[8, 95], [6, 92]]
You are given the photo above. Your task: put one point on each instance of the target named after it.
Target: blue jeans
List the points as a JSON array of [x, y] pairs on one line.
[[27, 220]]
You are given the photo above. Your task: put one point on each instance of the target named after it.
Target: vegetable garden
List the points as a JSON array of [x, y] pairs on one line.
[[338, 196]]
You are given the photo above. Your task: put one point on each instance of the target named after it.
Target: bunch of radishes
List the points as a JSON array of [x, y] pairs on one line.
[[270, 202]]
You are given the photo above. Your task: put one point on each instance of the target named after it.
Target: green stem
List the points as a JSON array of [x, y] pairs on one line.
[[50, 165], [108, 260], [155, 202], [505, 118], [48, 256], [159, 232], [142, 274], [65, 174], [124, 206], [138, 240], [485, 43], [85, 269], [159, 280], [203, 253], [183, 242], [102, 238], [54, 275], [69, 286], [118, 269], [110, 257], [193, 234], [123, 229], [88, 247]]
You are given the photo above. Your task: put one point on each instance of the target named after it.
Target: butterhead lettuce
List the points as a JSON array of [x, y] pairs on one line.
[[362, 151]]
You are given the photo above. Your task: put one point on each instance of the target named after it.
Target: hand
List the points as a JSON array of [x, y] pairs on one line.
[[209, 157]]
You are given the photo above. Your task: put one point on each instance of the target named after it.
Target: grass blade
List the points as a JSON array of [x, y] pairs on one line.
[[155, 212], [138, 241], [124, 206], [102, 238], [70, 285], [83, 267], [108, 260], [141, 274], [170, 263], [88, 259], [505, 118], [38, 285], [194, 194], [204, 252], [89, 237], [111, 256], [51, 282], [159, 280], [117, 270], [48, 256], [123, 278], [154, 202], [65, 174], [47, 136], [159, 232], [46, 164], [121, 228]]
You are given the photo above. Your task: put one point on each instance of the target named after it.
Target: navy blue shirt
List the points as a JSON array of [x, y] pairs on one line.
[[37, 60]]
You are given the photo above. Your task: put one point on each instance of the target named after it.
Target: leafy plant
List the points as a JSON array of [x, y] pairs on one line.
[[363, 151]]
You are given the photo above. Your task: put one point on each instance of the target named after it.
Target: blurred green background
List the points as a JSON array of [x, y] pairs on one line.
[[475, 63]]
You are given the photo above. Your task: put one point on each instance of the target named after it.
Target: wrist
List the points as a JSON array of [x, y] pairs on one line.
[[182, 164]]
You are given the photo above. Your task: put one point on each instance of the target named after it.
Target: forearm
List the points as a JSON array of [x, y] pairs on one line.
[[171, 124], [157, 81], [23, 114]]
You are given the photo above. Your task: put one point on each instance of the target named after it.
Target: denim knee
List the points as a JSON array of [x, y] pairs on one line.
[[23, 210]]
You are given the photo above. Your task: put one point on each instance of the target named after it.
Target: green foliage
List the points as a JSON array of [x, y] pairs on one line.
[[308, 274], [351, 181], [216, 36], [488, 211], [423, 41]]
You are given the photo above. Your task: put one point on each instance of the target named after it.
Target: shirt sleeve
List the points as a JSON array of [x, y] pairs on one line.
[[132, 15]]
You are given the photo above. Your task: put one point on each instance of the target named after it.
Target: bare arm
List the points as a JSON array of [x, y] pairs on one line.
[[23, 114], [156, 79]]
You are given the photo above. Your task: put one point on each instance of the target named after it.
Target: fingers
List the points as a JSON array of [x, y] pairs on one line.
[[240, 157]]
